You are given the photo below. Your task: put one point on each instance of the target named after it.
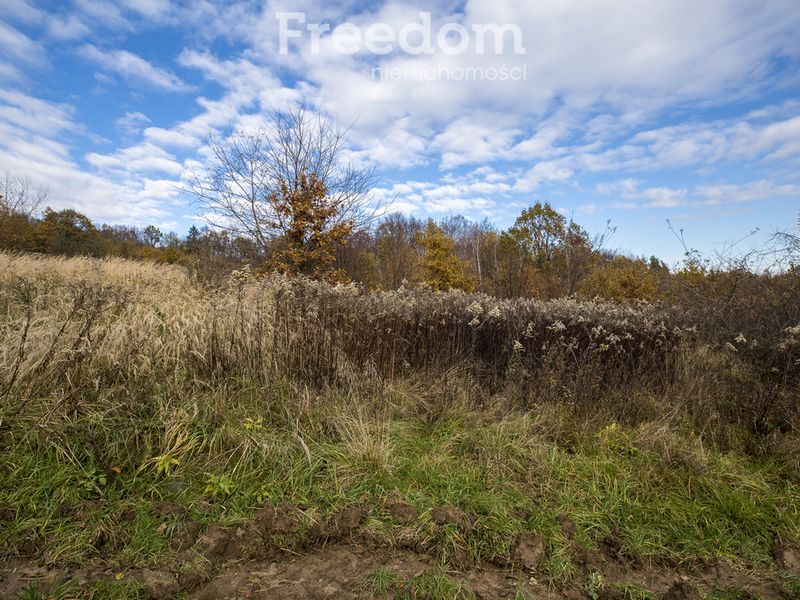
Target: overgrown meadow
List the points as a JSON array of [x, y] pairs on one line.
[[595, 427]]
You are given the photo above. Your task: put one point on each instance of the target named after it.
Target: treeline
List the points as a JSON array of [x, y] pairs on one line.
[[541, 255]]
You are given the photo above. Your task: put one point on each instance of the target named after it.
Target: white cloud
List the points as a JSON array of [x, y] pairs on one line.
[[152, 9], [543, 172], [103, 12], [470, 193], [588, 57], [470, 140], [21, 10], [32, 116], [18, 50], [67, 27], [132, 122], [142, 158], [701, 195], [748, 192], [134, 68], [170, 137]]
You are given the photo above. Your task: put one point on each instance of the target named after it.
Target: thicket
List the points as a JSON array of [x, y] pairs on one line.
[[74, 331]]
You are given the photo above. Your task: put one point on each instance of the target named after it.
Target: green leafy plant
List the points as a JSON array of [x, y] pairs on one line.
[[93, 479], [218, 485], [47, 591], [251, 424], [165, 464]]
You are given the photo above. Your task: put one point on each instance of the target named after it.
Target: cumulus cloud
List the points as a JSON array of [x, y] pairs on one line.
[[620, 89]]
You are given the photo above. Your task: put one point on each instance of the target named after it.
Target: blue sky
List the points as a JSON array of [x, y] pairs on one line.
[[637, 111]]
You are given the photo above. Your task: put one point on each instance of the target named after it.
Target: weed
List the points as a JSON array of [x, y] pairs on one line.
[[218, 486], [595, 584]]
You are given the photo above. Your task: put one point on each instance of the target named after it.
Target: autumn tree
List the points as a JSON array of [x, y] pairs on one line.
[[512, 273], [621, 278], [20, 199], [288, 187], [556, 253], [475, 243], [152, 236], [539, 230], [788, 251], [67, 232], [357, 258], [441, 267], [312, 231], [397, 254], [576, 256]]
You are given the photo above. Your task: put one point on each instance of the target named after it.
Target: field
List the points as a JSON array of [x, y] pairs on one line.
[[282, 437]]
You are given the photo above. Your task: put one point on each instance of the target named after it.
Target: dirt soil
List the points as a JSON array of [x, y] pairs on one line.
[[335, 559]]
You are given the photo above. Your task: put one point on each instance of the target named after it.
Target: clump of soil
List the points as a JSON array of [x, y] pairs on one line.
[[402, 512], [185, 536], [279, 520], [218, 544], [193, 577], [158, 585], [442, 515], [682, 590], [529, 551], [787, 555], [344, 522], [166, 509]]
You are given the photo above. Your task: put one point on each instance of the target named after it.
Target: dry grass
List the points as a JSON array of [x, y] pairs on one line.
[[123, 315], [72, 328], [131, 382]]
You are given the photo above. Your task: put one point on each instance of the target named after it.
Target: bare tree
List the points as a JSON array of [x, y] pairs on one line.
[[788, 247], [251, 177], [19, 195]]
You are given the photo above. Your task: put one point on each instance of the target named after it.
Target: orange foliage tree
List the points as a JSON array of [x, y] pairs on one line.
[[311, 231]]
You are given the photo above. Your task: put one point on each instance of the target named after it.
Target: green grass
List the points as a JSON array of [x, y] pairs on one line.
[[634, 592], [434, 585], [381, 581], [45, 591], [511, 474]]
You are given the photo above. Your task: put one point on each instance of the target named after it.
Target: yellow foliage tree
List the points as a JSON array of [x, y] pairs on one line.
[[308, 246], [441, 268], [621, 278]]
